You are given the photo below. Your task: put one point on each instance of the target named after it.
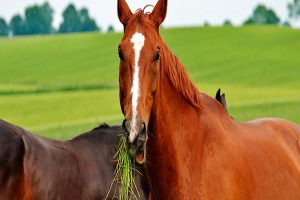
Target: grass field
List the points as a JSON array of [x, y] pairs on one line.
[[61, 85]]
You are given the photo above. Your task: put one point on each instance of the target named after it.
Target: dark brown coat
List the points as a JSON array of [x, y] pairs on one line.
[[34, 167]]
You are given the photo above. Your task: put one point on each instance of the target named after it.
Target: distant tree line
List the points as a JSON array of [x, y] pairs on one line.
[[3, 27], [38, 20], [294, 9], [263, 15], [77, 21]]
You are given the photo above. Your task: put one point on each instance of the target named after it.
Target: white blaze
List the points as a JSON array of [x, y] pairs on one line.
[[138, 40]]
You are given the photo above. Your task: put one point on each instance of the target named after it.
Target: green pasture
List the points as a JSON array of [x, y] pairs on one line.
[[62, 85]]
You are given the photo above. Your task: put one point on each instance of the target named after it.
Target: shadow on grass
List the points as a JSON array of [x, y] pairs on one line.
[[69, 88]]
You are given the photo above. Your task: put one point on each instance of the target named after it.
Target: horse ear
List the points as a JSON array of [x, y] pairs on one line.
[[218, 95], [159, 12], [124, 12], [223, 101]]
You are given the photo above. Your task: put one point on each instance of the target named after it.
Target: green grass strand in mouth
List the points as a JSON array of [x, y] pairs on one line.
[[124, 172]]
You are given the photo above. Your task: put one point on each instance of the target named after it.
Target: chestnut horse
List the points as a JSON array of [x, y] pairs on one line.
[[191, 147], [34, 167]]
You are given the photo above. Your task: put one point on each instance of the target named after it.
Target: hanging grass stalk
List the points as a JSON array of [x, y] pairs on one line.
[[124, 172]]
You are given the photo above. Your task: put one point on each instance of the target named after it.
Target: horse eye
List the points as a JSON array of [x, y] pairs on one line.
[[156, 56]]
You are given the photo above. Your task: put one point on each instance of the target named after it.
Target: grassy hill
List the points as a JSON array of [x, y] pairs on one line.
[[64, 84]]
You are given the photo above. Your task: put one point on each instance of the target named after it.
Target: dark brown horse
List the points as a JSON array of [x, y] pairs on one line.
[[33, 167], [191, 147]]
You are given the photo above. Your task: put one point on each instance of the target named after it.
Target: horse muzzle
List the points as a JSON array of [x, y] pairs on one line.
[[137, 144]]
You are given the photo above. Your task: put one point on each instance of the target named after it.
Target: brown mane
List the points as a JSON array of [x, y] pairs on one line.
[[179, 78]]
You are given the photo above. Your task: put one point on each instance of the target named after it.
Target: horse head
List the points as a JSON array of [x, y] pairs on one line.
[[139, 52]]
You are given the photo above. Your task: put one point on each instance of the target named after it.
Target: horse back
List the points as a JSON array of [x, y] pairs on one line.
[[255, 160], [282, 133]]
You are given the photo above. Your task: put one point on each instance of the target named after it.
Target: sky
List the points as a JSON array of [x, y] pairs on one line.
[[180, 12]]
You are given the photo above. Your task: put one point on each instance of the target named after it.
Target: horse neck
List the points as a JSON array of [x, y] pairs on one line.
[[174, 137], [96, 140], [176, 94]]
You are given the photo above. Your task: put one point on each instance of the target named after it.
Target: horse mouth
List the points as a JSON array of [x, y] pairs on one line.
[[140, 156]]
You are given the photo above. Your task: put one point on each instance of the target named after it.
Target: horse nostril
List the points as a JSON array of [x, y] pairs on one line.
[[141, 140], [143, 127]]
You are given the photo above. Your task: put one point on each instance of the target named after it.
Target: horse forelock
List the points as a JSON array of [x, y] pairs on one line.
[[140, 16], [142, 11]]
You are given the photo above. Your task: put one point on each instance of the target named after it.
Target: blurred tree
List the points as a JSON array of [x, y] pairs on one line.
[[48, 12], [110, 29], [206, 24], [3, 27], [227, 22], [262, 15], [39, 19], [87, 24], [294, 9], [286, 24], [71, 22], [17, 25]]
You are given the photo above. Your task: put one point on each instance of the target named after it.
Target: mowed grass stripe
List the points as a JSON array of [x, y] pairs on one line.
[[118, 117], [70, 129], [33, 110], [66, 114], [254, 55], [279, 100], [98, 120], [60, 59], [285, 110]]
